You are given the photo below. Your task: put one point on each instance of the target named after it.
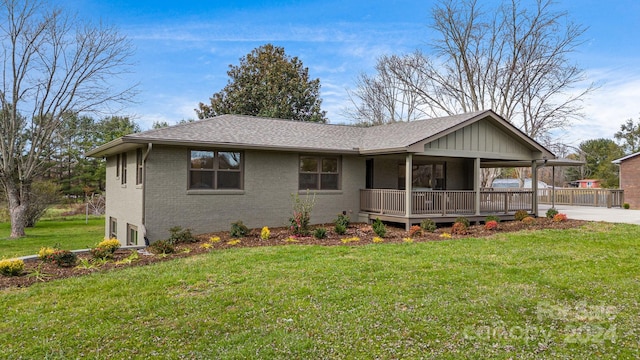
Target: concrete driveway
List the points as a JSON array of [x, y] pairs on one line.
[[613, 215]]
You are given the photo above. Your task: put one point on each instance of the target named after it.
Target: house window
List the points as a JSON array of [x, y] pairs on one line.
[[123, 169], [216, 170], [117, 166], [113, 228], [138, 166], [319, 173], [132, 235]]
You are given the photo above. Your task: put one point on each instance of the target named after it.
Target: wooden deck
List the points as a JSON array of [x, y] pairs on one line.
[[443, 206]]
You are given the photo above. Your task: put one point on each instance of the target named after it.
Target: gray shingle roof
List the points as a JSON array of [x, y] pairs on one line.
[[256, 131], [243, 131]]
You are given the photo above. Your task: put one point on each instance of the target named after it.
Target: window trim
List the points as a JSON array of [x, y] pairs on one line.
[[215, 170], [113, 227], [139, 166], [117, 166], [123, 169], [131, 228], [319, 172]]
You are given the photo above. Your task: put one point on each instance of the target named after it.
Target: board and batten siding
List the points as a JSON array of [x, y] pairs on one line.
[[482, 139], [270, 178]]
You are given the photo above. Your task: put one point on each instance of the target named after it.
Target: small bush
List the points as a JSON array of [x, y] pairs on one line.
[[162, 247], [626, 206], [379, 228], [265, 233], [415, 230], [340, 229], [11, 267], [377, 239], [559, 217], [181, 236], [491, 225], [463, 220], [101, 253], [492, 218], [63, 258], [521, 214], [459, 228], [45, 252], [109, 244], [238, 230], [343, 220], [529, 220], [407, 240], [320, 233], [551, 213], [428, 225]]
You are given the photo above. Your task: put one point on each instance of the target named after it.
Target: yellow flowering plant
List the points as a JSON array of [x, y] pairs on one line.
[[265, 233]]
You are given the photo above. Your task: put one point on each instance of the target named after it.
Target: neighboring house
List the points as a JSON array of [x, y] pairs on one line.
[[204, 175], [586, 184], [630, 178]]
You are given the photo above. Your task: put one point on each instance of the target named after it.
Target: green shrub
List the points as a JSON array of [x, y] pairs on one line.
[[551, 213], [320, 233], [181, 236], [162, 247], [340, 229], [342, 219], [626, 206], [11, 267], [492, 218], [463, 220], [428, 225], [520, 214], [238, 229], [379, 228], [63, 258], [101, 253]]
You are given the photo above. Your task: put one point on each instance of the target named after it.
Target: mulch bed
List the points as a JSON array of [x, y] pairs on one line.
[[38, 271]]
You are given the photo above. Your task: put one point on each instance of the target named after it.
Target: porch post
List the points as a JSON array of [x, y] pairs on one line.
[[534, 187], [408, 182], [476, 183]]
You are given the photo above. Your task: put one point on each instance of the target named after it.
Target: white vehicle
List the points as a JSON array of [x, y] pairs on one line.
[[515, 184]]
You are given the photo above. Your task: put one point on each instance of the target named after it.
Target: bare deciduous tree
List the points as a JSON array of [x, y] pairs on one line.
[[52, 64], [513, 59]]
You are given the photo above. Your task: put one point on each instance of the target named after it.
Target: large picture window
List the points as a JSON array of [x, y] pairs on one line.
[[209, 169], [319, 173]]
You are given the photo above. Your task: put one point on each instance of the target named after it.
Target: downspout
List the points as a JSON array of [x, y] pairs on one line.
[[144, 191]]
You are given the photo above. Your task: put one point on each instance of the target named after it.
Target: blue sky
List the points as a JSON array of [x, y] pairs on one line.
[[184, 48]]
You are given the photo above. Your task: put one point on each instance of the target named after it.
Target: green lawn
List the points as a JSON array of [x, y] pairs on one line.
[[70, 233], [548, 294]]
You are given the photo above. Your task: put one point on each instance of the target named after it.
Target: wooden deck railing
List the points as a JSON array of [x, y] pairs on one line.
[[583, 197], [449, 202]]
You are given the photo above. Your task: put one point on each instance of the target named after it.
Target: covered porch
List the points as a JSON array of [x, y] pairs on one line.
[[439, 188]]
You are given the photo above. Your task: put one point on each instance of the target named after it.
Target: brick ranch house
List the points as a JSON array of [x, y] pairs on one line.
[[629, 178], [207, 174]]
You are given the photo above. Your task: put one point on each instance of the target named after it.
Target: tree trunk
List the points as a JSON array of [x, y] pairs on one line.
[[18, 205]]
